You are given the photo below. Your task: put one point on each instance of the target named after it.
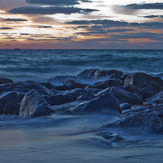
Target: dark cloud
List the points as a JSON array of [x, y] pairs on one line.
[[56, 2], [153, 16], [110, 23], [140, 35], [49, 10], [15, 20], [136, 6], [45, 26], [5, 28]]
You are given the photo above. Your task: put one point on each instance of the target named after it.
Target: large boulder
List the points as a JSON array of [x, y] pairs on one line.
[[125, 96], [143, 80], [9, 103], [90, 74], [33, 105], [106, 104], [147, 119]]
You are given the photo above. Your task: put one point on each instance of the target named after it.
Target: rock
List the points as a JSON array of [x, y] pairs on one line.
[[92, 90], [147, 91], [71, 84], [90, 74], [108, 83], [47, 85], [147, 123], [158, 98], [9, 103], [146, 119], [59, 80], [85, 97], [125, 106], [125, 96], [33, 105], [24, 87], [5, 80], [141, 80], [65, 97], [106, 104]]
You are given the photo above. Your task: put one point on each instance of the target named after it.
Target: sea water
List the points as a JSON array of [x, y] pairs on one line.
[[74, 139], [41, 64]]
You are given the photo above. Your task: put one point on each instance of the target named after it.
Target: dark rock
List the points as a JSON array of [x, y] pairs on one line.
[[147, 123], [61, 88], [141, 80], [26, 86], [66, 97], [33, 105], [158, 98], [102, 92], [90, 74], [147, 91], [6, 88], [59, 80], [71, 84], [125, 106], [85, 97], [125, 96], [105, 103], [108, 83], [9, 103], [92, 90], [148, 119], [47, 85], [5, 80]]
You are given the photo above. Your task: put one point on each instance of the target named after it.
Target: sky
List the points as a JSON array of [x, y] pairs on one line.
[[81, 24]]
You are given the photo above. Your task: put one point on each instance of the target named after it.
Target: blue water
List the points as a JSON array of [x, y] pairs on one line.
[[41, 64]]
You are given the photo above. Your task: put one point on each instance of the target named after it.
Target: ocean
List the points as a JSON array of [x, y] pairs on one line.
[[75, 138], [44, 64]]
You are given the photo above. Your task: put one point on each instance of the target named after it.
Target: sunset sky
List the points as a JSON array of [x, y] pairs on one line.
[[81, 24]]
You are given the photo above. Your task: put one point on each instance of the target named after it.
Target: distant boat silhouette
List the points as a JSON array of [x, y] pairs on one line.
[[17, 49]]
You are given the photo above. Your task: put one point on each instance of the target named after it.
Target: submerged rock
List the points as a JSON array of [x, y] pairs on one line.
[[125, 96], [33, 105], [9, 103]]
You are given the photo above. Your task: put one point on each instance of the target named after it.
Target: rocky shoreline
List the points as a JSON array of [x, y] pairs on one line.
[[136, 98]]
